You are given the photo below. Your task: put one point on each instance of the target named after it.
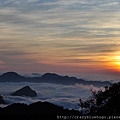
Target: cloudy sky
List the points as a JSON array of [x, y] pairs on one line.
[[62, 36]]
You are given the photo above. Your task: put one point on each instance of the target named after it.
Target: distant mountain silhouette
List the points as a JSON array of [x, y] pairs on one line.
[[54, 78], [11, 77], [25, 91], [50, 78]]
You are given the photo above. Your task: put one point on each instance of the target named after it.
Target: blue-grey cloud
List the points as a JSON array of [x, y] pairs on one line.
[[62, 95], [59, 18]]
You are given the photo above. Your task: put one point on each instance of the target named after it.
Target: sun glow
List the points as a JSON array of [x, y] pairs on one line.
[[116, 62], [118, 59], [112, 62]]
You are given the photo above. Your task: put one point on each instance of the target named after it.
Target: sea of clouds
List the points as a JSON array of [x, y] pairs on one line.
[[62, 95]]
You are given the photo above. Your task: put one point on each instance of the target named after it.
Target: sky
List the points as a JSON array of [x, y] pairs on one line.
[[73, 37]]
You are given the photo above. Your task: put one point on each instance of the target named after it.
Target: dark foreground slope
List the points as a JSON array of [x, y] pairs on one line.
[[42, 108]]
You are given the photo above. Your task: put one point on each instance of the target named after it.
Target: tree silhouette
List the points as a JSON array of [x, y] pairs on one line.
[[105, 102]]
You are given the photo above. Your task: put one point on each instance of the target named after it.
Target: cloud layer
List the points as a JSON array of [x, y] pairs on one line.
[[62, 95]]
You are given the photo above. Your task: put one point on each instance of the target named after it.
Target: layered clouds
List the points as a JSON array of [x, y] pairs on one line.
[[62, 95], [65, 36]]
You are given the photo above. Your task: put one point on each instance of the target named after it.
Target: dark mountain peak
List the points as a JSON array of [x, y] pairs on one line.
[[10, 74], [50, 76], [26, 88], [25, 91]]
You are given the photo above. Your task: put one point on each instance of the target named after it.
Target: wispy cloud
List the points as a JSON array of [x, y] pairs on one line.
[[58, 31]]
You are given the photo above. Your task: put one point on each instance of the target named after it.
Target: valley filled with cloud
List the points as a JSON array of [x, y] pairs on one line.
[[61, 95]]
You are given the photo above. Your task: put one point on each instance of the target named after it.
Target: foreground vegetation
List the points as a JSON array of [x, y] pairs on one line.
[[105, 102]]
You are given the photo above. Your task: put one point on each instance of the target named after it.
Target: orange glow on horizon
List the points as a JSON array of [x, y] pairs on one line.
[[114, 63]]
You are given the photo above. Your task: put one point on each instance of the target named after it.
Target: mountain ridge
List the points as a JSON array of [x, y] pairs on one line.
[[50, 78]]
